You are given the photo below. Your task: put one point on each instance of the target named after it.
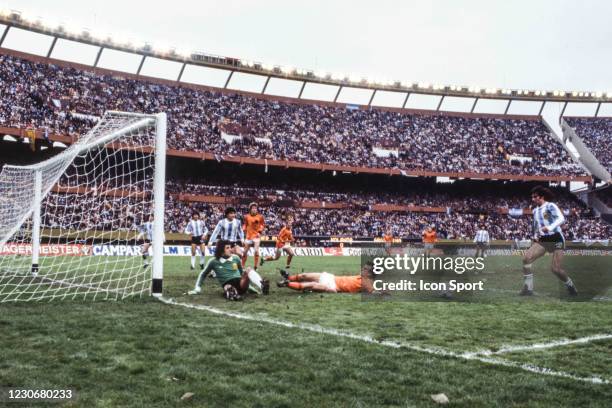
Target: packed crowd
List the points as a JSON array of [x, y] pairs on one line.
[[597, 135], [114, 213], [458, 200], [65, 100], [366, 223]]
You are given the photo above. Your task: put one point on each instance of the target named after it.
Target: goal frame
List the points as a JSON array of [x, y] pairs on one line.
[[159, 190]]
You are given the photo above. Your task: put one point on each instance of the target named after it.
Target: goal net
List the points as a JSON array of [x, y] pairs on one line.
[[70, 226]]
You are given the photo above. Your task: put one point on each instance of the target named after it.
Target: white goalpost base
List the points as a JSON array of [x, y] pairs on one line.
[[100, 191]]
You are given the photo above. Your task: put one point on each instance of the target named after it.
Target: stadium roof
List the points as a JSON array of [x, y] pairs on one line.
[[337, 85]]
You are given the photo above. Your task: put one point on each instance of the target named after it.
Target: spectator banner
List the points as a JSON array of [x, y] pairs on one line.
[[46, 249]]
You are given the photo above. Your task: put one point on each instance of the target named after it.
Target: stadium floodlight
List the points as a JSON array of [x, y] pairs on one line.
[[355, 78], [609, 94], [186, 53], [91, 199], [598, 94], [336, 76], [424, 85], [287, 70]]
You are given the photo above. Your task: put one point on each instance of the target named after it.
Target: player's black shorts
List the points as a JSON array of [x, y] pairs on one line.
[[236, 284], [146, 241], [481, 245], [552, 243], [196, 240], [234, 243]]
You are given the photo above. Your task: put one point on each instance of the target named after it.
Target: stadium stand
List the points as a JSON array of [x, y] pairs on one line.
[[456, 211], [596, 133], [61, 99]]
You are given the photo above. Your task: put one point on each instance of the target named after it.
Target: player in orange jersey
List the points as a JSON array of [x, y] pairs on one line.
[[388, 238], [326, 282], [253, 226], [283, 244], [429, 239]]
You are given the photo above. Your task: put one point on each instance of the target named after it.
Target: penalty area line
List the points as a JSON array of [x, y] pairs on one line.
[[541, 346], [387, 343]]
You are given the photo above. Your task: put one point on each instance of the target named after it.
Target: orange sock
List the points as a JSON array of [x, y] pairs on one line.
[[295, 285], [294, 278]]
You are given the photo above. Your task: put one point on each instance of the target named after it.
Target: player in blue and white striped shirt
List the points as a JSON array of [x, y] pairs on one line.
[[146, 234], [547, 237], [198, 231], [229, 229], [482, 241]]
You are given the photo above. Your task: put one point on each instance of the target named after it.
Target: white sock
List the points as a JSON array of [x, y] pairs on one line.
[[255, 278], [529, 281], [202, 259], [193, 261], [569, 283]]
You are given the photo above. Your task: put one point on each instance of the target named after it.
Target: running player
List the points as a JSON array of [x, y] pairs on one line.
[[253, 226], [283, 244], [429, 239], [547, 221], [481, 240], [326, 282], [229, 229], [198, 231], [146, 234], [229, 273]]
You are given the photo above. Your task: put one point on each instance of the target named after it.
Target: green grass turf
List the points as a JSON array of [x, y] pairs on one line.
[[142, 353]]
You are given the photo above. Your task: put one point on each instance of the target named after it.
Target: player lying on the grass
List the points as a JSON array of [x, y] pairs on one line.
[[198, 231], [283, 244], [254, 225], [482, 241], [235, 281], [229, 229], [326, 282], [548, 237]]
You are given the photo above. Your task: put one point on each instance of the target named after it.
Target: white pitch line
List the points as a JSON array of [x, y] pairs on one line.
[[387, 343], [541, 346]]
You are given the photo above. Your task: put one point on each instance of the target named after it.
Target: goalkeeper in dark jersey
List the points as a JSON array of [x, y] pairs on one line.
[[229, 272]]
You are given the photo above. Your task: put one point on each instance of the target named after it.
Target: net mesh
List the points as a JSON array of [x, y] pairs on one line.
[[95, 197]]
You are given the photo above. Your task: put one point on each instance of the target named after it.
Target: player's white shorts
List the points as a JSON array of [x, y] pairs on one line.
[[254, 241], [428, 245], [327, 280]]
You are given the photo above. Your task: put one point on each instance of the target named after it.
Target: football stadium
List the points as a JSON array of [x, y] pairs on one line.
[[180, 228]]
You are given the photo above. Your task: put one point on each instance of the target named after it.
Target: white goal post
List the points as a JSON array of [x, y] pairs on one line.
[[70, 225]]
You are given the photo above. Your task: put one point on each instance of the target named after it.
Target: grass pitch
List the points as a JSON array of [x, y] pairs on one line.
[[143, 353]]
